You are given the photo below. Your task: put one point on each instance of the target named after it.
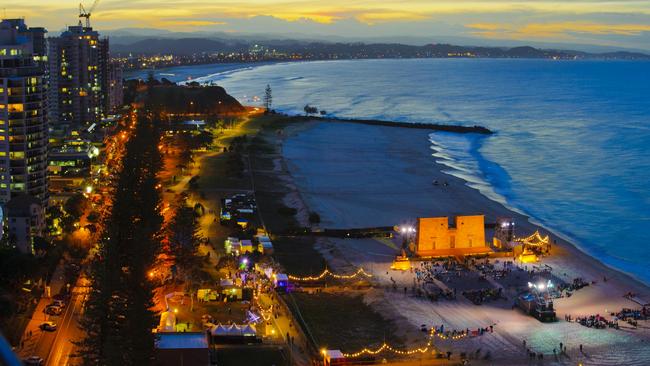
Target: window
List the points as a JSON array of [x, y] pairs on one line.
[[16, 107]]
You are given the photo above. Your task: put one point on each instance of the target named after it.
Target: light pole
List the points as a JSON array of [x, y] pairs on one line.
[[407, 232]]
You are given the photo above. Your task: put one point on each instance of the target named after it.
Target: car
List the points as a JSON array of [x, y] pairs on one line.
[[48, 326], [53, 310], [59, 303], [33, 360]]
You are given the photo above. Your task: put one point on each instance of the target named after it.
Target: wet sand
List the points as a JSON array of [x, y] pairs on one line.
[[361, 176]]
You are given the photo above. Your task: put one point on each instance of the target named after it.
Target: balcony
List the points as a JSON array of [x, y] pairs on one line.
[[31, 98]]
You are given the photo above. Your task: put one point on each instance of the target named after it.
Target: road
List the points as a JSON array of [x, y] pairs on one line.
[[56, 348], [62, 347]]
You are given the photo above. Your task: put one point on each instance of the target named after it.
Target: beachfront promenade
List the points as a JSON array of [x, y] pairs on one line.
[[407, 300]]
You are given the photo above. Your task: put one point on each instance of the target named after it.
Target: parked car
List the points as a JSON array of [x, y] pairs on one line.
[[33, 360], [48, 326], [59, 303], [53, 310]]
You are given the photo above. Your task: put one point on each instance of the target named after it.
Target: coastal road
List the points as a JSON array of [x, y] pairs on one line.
[[56, 348], [68, 331]]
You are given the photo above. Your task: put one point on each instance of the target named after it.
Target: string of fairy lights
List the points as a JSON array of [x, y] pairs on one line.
[[360, 272], [536, 239], [385, 347], [266, 313]]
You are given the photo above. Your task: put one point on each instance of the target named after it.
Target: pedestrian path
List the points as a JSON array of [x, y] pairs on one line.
[[33, 333]]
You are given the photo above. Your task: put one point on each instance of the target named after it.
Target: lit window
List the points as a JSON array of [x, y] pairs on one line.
[[16, 107]]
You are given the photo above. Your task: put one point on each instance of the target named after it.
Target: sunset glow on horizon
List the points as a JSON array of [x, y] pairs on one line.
[[624, 22]]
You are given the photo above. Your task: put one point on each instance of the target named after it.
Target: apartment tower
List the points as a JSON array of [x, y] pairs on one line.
[[79, 78], [23, 120]]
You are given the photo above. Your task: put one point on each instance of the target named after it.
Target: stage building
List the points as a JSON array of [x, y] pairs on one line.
[[436, 238]]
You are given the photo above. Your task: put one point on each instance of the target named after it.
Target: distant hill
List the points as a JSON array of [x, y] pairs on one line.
[[168, 97], [338, 50], [183, 46]]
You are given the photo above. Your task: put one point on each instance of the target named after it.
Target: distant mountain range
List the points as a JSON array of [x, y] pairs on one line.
[[126, 36], [305, 49]]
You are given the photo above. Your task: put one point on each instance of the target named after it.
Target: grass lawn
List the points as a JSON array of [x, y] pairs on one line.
[[345, 322], [214, 175], [298, 256]]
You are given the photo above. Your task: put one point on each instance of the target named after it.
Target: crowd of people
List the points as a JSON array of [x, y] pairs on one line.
[[486, 268], [484, 295], [600, 322], [454, 333], [566, 289], [434, 270], [596, 321]]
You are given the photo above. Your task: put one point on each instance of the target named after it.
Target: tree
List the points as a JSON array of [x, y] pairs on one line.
[[268, 98], [314, 218], [76, 205], [119, 317], [310, 110]]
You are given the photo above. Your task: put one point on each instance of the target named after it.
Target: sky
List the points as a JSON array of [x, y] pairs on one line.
[[618, 23]]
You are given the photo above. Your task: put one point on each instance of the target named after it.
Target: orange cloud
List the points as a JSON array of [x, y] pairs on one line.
[[558, 30], [187, 23]]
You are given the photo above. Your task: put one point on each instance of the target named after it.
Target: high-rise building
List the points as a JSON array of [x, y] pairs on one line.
[[23, 120], [78, 77], [115, 88]]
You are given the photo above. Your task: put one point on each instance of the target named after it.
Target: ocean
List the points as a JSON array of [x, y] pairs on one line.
[[572, 141]]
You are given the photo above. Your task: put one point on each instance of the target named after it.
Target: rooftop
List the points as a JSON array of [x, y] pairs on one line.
[[185, 340]]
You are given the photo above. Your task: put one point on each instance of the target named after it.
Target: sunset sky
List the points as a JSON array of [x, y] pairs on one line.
[[622, 23]]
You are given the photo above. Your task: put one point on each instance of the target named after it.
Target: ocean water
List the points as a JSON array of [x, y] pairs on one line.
[[180, 74], [572, 141]]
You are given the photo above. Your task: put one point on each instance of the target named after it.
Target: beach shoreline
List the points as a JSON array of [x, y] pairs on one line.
[[524, 220], [567, 259]]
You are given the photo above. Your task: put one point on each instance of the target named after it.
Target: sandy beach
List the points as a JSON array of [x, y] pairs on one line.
[[365, 176]]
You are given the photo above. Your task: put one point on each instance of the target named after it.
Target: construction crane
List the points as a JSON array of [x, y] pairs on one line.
[[86, 14]]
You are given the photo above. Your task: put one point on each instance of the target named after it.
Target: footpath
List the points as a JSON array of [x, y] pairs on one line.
[[33, 334]]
